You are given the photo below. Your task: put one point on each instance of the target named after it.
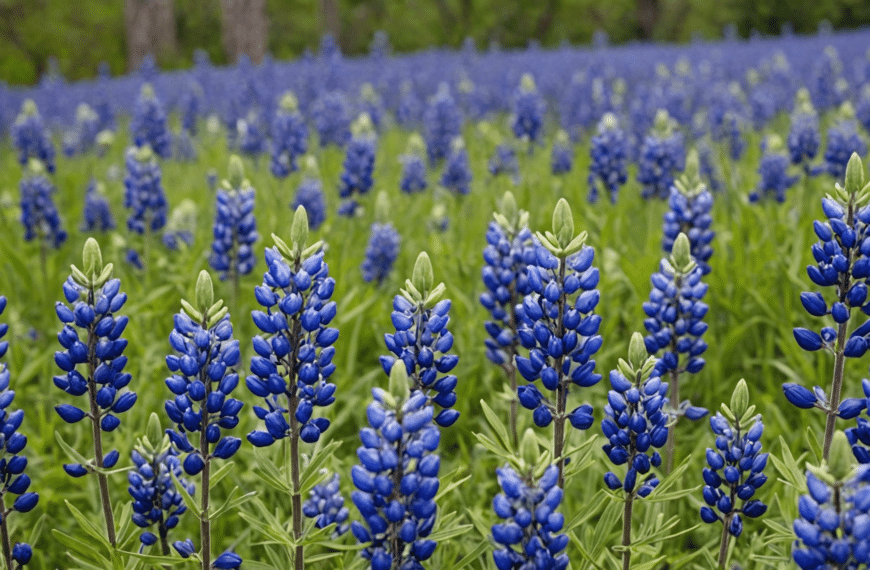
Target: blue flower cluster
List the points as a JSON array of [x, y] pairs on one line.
[[442, 122], [561, 335], [609, 158], [155, 498], [309, 195], [235, 231], [832, 530], [381, 253], [93, 313], [773, 174], [413, 174], [331, 114], [299, 341], [148, 124], [32, 138], [325, 505], [456, 176], [421, 335], [143, 191], [562, 156], [843, 140], [690, 214], [735, 471], [531, 536], [356, 178], [184, 149], [289, 137], [504, 161], [250, 134], [635, 427], [203, 376], [39, 215], [12, 443], [527, 118], [397, 480], [803, 137], [662, 155]]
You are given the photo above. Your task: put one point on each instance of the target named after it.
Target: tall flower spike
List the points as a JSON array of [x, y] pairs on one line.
[[842, 257], [562, 157], [325, 505], [143, 191], [559, 328], [635, 425], [509, 251], [13, 480], [39, 215], [735, 468], [92, 361], [331, 119], [289, 136], [397, 478], [844, 140], [803, 136], [148, 124], [456, 176], [413, 166], [156, 501], [32, 138], [661, 156], [774, 178], [831, 531], [527, 118], [689, 213], [383, 247], [97, 213], [359, 164], [442, 122], [203, 377], [422, 341], [294, 355], [309, 194], [609, 158], [235, 228]]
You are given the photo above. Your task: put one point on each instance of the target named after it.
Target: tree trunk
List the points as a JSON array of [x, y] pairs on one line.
[[245, 29], [331, 19], [648, 12], [150, 26]]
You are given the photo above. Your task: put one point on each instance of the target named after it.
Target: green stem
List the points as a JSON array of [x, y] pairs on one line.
[[723, 545], [836, 389], [626, 530], [204, 521], [7, 546], [562, 388]]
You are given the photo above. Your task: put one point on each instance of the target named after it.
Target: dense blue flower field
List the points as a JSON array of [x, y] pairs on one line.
[[441, 310]]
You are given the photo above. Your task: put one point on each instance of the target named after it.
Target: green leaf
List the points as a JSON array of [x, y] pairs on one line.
[[81, 547], [232, 502], [497, 425], [471, 556], [88, 526], [160, 560], [218, 474], [311, 474], [192, 505], [74, 455], [268, 473]]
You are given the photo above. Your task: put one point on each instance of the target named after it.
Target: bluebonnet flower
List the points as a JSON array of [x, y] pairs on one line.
[[456, 176], [803, 136], [83, 135], [97, 214], [184, 148], [661, 156], [331, 114], [849, 408], [413, 174], [442, 123], [504, 161], [527, 118], [530, 537], [381, 253], [310, 195], [708, 165], [325, 505], [250, 134], [559, 327], [190, 107], [774, 178], [148, 124], [832, 531], [39, 215], [635, 423], [143, 191], [32, 138], [735, 468], [156, 501], [609, 154], [841, 261], [843, 140], [410, 110], [181, 225], [235, 228], [732, 129], [359, 164], [289, 136], [133, 258], [397, 478], [296, 294], [12, 444], [422, 341], [371, 104], [689, 212], [562, 157], [825, 82]]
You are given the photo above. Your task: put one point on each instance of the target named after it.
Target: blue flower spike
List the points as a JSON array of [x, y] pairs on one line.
[[842, 263], [635, 426], [559, 328], [422, 341], [32, 138], [289, 136], [397, 478], [735, 468], [359, 164], [662, 155], [383, 246], [608, 153], [832, 529], [235, 227], [12, 445], [203, 377], [39, 214], [688, 212]]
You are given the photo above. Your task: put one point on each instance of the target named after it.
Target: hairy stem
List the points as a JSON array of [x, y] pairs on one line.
[[562, 388], [836, 389], [723, 545], [7, 546], [204, 521], [675, 399], [626, 530]]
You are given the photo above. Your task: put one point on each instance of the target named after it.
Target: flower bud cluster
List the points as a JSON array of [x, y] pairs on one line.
[[413, 174], [442, 122], [325, 505], [39, 215], [356, 179], [235, 231], [97, 213], [289, 141], [155, 498], [397, 481], [381, 253], [527, 118], [148, 124], [530, 537], [143, 194], [31, 137], [690, 215], [609, 158], [294, 355]]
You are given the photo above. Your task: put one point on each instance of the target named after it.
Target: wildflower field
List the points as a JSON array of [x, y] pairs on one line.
[[326, 274]]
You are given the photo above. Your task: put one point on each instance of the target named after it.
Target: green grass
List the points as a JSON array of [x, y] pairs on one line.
[[757, 275]]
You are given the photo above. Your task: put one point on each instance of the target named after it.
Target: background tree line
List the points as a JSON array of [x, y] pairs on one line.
[[83, 33]]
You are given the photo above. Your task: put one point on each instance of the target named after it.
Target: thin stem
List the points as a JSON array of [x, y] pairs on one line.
[[511, 367], [7, 546], [396, 546], [723, 545], [562, 388], [626, 530], [103, 481], [839, 364], [296, 496], [675, 395], [205, 521], [164, 542]]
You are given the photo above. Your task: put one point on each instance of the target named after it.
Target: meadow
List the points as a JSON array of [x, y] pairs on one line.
[[757, 272]]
